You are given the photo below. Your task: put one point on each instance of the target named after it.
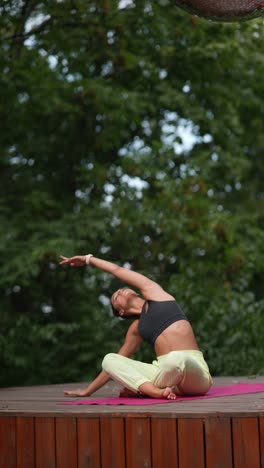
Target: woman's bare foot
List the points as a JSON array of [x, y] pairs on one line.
[[152, 391], [169, 393], [126, 393]]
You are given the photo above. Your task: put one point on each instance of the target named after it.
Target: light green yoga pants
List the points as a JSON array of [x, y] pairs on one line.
[[187, 371]]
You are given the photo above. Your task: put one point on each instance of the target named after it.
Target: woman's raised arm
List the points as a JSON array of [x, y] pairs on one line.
[[148, 288]]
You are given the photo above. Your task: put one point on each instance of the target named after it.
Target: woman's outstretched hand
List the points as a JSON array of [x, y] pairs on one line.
[[79, 392], [77, 261]]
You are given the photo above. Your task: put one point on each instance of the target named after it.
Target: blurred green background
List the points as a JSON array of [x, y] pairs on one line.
[[134, 131]]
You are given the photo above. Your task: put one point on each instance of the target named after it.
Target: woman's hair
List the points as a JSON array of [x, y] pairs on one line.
[[115, 311], [116, 314]]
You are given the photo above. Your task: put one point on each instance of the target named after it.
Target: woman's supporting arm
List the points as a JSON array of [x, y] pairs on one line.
[[130, 346], [97, 383]]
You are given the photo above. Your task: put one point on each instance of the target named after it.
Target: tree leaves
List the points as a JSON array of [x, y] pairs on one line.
[[134, 133]]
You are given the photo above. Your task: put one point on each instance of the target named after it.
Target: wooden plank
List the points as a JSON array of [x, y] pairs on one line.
[[7, 442], [45, 442], [66, 442], [261, 438], [191, 443], [138, 450], [164, 442], [25, 442], [112, 442], [88, 432], [218, 443], [246, 442]]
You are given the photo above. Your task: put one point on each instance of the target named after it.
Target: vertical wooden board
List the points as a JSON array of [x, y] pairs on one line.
[[261, 437], [45, 442], [66, 442], [191, 443], [218, 443], [112, 432], [138, 448], [164, 444], [25, 442], [245, 442], [88, 432], [7, 442]]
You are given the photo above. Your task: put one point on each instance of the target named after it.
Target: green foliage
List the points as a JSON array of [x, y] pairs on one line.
[[93, 103]]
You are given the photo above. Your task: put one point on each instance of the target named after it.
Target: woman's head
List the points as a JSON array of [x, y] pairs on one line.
[[122, 302]]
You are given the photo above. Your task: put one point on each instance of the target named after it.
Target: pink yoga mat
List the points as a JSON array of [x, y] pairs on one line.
[[225, 390]]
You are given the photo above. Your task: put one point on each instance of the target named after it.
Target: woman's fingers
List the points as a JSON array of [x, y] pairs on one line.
[[71, 392], [68, 261], [78, 392], [76, 261], [64, 260]]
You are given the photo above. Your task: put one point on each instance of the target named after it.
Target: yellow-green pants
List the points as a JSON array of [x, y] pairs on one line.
[[187, 371]]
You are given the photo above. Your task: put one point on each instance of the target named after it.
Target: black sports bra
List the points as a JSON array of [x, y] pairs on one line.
[[157, 317]]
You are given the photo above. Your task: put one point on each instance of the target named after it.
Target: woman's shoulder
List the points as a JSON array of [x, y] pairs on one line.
[[155, 292], [159, 296]]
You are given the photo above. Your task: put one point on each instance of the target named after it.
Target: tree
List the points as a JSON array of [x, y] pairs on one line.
[[96, 103]]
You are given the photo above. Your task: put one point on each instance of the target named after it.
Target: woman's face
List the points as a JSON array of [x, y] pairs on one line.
[[121, 299]]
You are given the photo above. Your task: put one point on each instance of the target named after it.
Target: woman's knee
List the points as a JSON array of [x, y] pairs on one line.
[[108, 361]]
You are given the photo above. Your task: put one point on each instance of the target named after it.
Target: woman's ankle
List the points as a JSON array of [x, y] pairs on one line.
[[152, 391], [147, 388]]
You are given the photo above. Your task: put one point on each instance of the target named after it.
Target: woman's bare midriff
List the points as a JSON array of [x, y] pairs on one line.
[[178, 336]]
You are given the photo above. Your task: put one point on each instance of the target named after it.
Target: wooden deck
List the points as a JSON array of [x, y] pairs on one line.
[[37, 432]]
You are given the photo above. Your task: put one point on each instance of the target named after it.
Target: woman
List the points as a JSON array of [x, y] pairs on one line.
[[180, 368]]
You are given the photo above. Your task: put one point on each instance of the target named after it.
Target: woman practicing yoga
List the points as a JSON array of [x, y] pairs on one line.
[[179, 369]]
